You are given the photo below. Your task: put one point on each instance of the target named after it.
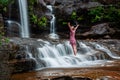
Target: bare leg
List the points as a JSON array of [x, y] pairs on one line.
[[74, 49]]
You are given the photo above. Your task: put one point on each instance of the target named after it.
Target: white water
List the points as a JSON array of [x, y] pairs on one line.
[[53, 34], [105, 49], [61, 55], [24, 18], [10, 25]]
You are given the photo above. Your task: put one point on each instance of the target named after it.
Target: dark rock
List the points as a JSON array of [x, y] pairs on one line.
[[100, 29], [19, 56], [63, 78], [79, 78], [109, 1], [69, 6], [23, 65], [5, 69], [13, 28], [47, 2], [1, 19], [70, 78]]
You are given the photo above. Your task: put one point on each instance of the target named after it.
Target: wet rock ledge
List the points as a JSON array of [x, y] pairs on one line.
[[14, 58]]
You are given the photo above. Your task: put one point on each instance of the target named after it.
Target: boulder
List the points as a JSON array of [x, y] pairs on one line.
[[100, 30]]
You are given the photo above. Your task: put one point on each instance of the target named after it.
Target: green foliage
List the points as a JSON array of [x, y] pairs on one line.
[[64, 23], [4, 4], [73, 15], [110, 14], [36, 19], [96, 14], [42, 21], [2, 38], [80, 18], [32, 2]]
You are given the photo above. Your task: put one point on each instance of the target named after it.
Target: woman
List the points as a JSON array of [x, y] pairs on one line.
[[73, 28]]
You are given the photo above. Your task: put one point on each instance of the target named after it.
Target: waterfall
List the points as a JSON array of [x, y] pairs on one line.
[[53, 34], [105, 49], [13, 28], [50, 55], [24, 19]]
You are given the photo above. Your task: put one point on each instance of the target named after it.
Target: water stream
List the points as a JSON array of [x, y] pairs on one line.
[[52, 34], [55, 55], [15, 28], [24, 18]]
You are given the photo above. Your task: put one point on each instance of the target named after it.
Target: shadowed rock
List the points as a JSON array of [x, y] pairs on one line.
[[70, 78]]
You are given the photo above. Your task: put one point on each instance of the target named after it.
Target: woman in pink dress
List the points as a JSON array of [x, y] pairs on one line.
[[72, 36]]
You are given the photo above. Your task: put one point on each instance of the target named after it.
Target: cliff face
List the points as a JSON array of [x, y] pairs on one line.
[[65, 11]]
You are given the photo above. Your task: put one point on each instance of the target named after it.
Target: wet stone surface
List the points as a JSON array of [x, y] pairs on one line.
[[107, 72]]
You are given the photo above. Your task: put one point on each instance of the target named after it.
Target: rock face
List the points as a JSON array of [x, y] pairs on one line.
[[5, 69], [5, 72], [12, 28], [69, 6], [109, 1], [12, 62], [99, 30], [1, 24]]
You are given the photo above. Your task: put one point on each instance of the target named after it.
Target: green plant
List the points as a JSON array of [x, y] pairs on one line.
[[34, 18], [109, 14], [4, 4], [96, 14], [42, 21], [74, 15], [31, 4], [112, 14], [2, 38]]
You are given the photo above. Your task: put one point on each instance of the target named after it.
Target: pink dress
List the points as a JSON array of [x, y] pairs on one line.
[[72, 37]]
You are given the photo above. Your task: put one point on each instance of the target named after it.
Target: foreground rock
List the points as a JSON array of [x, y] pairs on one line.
[[99, 73]]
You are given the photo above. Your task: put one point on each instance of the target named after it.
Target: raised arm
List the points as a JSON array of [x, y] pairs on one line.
[[69, 25], [76, 26]]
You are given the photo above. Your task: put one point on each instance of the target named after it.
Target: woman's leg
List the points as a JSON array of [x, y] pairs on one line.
[[74, 49]]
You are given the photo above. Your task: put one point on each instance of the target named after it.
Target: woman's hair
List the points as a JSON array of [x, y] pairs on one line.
[[73, 23]]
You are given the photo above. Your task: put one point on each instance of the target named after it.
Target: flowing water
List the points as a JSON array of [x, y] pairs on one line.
[[49, 54], [52, 34], [98, 60], [13, 28], [24, 19]]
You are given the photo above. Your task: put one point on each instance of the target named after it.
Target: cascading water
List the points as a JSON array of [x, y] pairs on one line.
[[50, 55], [53, 34], [13, 28], [24, 18]]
